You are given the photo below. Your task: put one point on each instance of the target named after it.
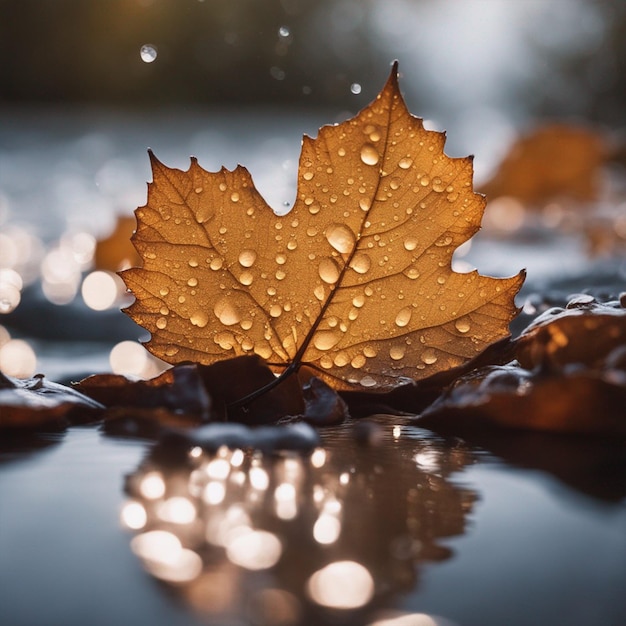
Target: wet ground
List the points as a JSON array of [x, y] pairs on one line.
[[512, 529]]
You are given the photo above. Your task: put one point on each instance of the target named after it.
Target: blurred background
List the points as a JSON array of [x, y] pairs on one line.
[[86, 86], [460, 57]]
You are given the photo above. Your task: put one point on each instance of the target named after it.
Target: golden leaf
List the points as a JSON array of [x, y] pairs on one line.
[[355, 281]]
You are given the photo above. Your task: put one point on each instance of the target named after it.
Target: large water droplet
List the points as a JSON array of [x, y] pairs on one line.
[[247, 258], [340, 237], [370, 351], [368, 381], [403, 317], [192, 282], [405, 163], [216, 263], [462, 325], [276, 310], [148, 53], [264, 350], [328, 270], [429, 357], [326, 339], [224, 340], [161, 323], [361, 263], [246, 278], [326, 362], [226, 312], [410, 243], [342, 359], [199, 318], [358, 361], [369, 154], [397, 352], [319, 292]]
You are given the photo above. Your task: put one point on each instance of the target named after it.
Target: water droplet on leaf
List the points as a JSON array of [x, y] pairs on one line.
[[340, 237], [369, 154]]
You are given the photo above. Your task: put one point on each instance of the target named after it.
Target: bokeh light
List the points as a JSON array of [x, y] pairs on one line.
[[102, 290], [130, 358], [341, 585], [18, 359]]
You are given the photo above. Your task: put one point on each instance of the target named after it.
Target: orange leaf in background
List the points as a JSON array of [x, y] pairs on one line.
[[355, 281], [552, 161]]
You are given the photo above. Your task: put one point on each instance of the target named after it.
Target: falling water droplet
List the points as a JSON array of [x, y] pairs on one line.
[[369, 154], [148, 53], [355, 88], [283, 31]]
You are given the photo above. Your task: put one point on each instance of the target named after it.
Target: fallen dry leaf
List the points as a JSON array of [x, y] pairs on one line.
[[34, 402], [551, 161], [581, 401], [179, 389], [355, 281], [584, 332]]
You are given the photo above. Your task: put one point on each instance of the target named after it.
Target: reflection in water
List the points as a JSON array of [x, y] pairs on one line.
[[286, 539]]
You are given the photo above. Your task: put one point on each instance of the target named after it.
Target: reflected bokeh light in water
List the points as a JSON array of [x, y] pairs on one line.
[[346, 528]]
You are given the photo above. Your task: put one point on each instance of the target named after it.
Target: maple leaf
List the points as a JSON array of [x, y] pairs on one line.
[[355, 281]]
